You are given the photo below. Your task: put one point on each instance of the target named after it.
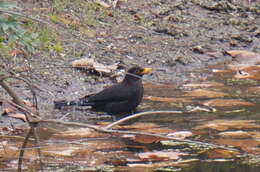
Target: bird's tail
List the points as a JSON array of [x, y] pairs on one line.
[[61, 103], [81, 102]]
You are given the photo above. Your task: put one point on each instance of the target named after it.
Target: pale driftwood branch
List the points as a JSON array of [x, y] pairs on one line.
[[138, 115], [159, 136]]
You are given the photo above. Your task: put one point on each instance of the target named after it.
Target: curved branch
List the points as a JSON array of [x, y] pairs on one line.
[[100, 129], [13, 94], [138, 115], [20, 161]]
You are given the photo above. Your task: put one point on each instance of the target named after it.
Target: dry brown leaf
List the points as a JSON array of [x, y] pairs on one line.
[[10, 151], [226, 102], [244, 57], [18, 116], [83, 63], [91, 64], [205, 93], [239, 134], [222, 125], [151, 165], [180, 134], [28, 103], [254, 90], [146, 127], [247, 145], [160, 155], [167, 99], [139, 126], [73, 133], [161, 130], [16, 52], [153, 85], [102, 3], [143, 138], [221, 71], [61, 150], [250, 72], [204, 85], [9, 110], [220, 153]]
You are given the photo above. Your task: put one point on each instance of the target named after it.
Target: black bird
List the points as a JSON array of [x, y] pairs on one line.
[[119, 98]]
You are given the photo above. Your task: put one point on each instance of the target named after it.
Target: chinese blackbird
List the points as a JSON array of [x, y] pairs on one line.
[[119, 98]]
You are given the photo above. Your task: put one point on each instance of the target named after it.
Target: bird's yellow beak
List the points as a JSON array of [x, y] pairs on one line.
[[146, 70]]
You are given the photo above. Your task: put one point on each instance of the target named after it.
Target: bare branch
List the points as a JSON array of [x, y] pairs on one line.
[[140, 114], [20, 161]]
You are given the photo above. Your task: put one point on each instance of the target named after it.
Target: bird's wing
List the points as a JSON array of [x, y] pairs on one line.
[[116, 92]]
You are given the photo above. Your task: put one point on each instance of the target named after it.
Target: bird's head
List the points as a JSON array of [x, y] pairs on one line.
[[137, 72]]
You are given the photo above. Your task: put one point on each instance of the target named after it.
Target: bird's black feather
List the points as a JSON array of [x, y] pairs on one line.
[[119, 98]]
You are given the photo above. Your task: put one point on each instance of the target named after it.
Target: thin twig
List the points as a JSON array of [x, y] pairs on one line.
[[20, 161], [14, 137], [15, 97], [37, 144], [138, 115]]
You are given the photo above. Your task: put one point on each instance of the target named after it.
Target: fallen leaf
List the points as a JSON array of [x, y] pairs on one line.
[[221, 71], [204, 85], [249, 72], [160, 155], [205, 93], [247, 145], [152, 165], [239, 134], [161, 130], [138, 126], [20, 116], [102, 3], [16, 52], [226, 102], [254, 90], [167, 99], [10, 151], [220, 153], [28, 103], [180, 134], [91, 64], [222, 125], [153, 85], [244, 57], [83, 63], [60, 151], [73, 133], [143, 138]]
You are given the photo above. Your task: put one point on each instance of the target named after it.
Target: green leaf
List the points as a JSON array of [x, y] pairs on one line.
[[57, 47], [5, 27]]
